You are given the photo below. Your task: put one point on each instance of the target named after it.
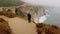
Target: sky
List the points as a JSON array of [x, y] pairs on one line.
[[53, 3]]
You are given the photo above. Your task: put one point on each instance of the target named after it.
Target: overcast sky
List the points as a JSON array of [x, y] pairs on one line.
[[55, 3]]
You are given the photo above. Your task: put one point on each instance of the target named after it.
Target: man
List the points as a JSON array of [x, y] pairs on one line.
[[16, 9], [29, 17]]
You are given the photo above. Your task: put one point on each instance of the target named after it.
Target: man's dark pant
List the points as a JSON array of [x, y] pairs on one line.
[[29, 20]]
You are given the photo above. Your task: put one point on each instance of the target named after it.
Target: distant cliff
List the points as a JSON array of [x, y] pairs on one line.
[[35, 11], [10, 3]]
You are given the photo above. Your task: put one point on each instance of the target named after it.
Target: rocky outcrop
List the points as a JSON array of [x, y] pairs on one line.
[[35, 11], [47, 29], [4, 27], [8, 14]]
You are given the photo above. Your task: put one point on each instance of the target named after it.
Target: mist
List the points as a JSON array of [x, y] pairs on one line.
[[53, 3]]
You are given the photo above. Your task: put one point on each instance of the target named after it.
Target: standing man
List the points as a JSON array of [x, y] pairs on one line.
[[16, 10], [29, 17]]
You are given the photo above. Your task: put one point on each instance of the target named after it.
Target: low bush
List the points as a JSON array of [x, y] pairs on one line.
[[8, 14]]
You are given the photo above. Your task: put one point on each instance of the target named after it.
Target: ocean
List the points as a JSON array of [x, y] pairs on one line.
[[54, 16]]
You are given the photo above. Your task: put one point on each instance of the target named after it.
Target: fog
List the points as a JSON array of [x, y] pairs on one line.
[[54, 3]]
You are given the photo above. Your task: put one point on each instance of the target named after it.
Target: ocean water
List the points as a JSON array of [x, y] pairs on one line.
[[54, 16]]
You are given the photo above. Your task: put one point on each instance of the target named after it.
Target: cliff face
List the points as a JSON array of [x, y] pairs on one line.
[[47, 29], [35, 11]]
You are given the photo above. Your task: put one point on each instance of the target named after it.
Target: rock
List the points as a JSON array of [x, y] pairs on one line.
[[48, 29], [4, 27], [8, 14]]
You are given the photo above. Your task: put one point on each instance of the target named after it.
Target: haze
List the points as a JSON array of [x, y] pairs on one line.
[[54, 3]]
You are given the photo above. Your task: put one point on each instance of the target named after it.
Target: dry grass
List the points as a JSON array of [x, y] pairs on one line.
[[4, 27], [47, 29], [7, 14]]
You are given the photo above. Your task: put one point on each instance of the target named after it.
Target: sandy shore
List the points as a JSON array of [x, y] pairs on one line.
[[20, 26]]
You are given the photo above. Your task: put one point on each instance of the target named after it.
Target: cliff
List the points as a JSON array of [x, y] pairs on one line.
[[35, 11], [47, 29]]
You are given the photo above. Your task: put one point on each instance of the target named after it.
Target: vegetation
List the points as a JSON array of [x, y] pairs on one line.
[[47, 29], [8, 14], [4, 27], [7, 3]]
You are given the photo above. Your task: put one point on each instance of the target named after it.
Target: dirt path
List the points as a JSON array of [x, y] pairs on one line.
[[21, 26]]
